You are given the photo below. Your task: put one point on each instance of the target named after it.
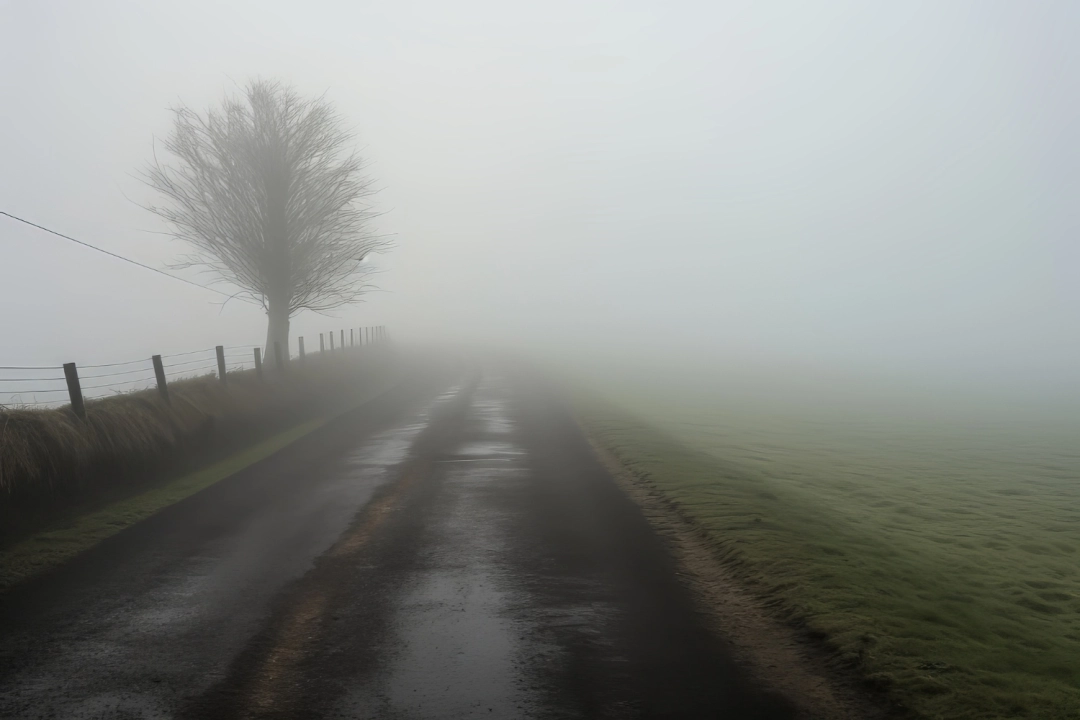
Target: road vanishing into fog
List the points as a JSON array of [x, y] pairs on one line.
[[452, 549]]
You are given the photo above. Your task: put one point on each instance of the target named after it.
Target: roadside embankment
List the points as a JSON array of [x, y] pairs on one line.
[[67, 482]]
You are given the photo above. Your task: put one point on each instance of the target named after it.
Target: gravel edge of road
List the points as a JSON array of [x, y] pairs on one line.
[[773, 652]]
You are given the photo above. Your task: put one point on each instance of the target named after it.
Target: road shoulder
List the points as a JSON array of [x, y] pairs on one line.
[[778, 655], [54, 546]]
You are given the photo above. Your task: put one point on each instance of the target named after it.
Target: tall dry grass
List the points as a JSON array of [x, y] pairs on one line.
[[51, 461]]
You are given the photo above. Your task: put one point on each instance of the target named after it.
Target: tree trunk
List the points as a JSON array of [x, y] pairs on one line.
[[277, 328]]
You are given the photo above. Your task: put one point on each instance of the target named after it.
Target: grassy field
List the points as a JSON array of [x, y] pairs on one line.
[[938, 551]]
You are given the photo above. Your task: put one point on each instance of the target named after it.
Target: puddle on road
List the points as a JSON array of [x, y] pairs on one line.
[[487, 450], [390, 447], [493, 417], [120, 654], [489, 407], [460, 652], [459, 655]]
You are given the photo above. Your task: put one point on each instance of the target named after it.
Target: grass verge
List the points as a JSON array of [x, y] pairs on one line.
[[959, 599], [60, 531], [46, 550]]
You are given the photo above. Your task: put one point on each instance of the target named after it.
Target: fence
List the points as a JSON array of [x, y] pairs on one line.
[[52, 386]]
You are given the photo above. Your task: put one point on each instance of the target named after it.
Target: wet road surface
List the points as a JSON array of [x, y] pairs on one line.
[[452, 550]]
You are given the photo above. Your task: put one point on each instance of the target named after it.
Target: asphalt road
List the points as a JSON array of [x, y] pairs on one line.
[[451, 550]]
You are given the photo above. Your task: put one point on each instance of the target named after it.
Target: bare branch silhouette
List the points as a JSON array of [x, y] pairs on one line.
[[268, 194]]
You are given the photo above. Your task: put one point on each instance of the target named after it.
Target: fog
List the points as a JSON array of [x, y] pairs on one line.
[[882, 191]]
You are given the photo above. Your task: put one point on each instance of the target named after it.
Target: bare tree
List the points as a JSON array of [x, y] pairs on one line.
[[271, 198]]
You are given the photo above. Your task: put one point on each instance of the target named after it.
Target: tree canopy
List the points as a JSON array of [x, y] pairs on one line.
[[271, 197]]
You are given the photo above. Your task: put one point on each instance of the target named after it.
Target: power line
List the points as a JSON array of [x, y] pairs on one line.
[[121, 257]]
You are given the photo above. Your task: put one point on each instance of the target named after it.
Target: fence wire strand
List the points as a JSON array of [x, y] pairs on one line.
[[116, 364], [122, 372], [53, 390], [238, 358], [190, 352], [185, 362]]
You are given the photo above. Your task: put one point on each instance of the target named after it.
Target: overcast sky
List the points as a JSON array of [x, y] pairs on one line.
[[847, 184]]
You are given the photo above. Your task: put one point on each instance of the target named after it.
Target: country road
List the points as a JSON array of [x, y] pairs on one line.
[[453, 549]]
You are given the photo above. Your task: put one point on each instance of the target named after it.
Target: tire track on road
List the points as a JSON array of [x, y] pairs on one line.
[[273, 677]]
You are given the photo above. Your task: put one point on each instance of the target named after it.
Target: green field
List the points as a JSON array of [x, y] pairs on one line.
[[936, 547]]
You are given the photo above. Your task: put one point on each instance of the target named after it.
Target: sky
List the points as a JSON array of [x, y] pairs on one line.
[[886, 188]]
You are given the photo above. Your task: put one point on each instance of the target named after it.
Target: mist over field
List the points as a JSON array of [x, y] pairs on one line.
[[881, 192], [710, 348]]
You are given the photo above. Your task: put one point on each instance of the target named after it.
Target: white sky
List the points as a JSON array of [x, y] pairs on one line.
[[848, 184]]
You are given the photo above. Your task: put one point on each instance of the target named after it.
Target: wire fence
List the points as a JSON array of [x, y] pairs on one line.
[[53, 386]]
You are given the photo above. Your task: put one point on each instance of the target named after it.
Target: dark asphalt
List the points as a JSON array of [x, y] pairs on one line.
[[451, 550]]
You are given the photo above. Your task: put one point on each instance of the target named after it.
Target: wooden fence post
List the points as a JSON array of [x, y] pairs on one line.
[[159, 374], [277, 357], [258, 363], [221, 362], [352, 338], [331, 341], [74, 390], [343, 339], [301, 338], [322, 344]]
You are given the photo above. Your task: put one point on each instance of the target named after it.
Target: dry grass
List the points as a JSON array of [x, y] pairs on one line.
[[52, 462]]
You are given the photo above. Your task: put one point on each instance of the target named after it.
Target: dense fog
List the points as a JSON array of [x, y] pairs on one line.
[[837, 189]]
